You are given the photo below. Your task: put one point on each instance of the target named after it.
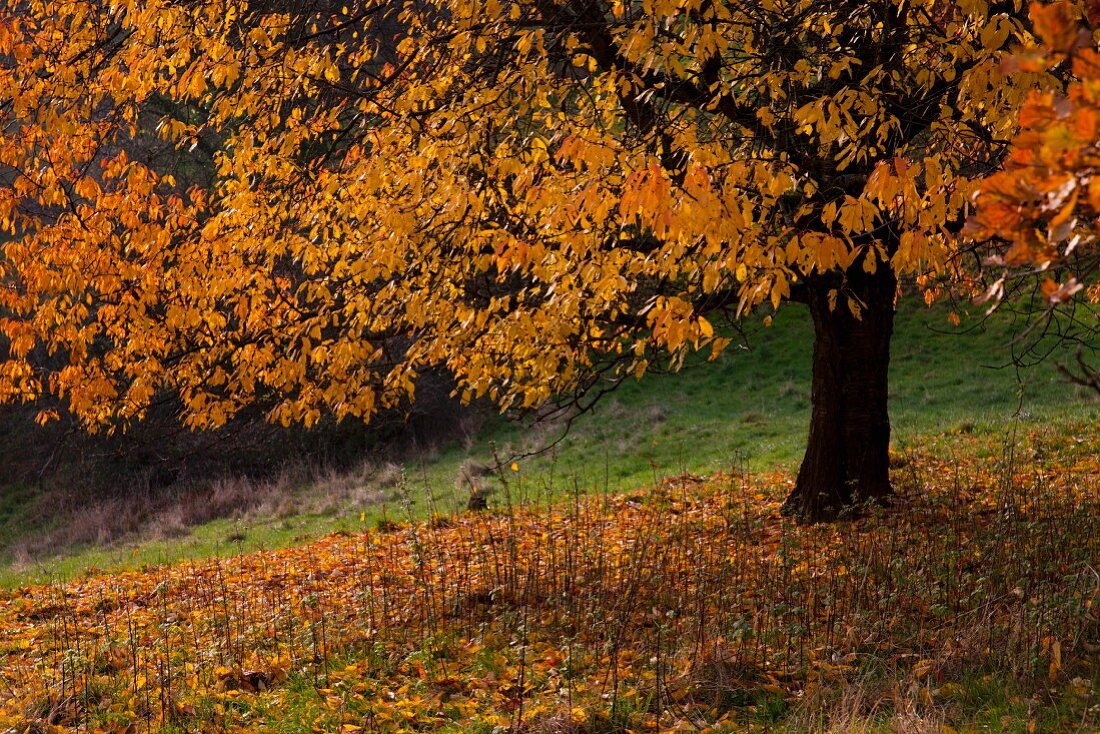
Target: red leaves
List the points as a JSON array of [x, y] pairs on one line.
[[1045, 202], [1055, 293], [1055, 25]]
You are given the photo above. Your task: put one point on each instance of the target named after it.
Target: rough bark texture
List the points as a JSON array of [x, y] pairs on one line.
[[847, 455]]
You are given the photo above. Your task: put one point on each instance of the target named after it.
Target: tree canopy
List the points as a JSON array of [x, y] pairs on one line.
[[234, 200]]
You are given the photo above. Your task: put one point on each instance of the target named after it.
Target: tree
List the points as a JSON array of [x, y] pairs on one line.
[[543, 196], [1042, 208]]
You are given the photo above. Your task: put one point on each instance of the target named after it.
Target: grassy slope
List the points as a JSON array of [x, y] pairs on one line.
[[942, 616], [747, 409], [690, 605]]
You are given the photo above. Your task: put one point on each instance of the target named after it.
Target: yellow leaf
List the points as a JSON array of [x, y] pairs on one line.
[[1055, 661], [922, 668]]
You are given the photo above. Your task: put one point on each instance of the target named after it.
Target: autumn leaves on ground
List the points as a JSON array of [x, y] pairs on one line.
[[973, 604]]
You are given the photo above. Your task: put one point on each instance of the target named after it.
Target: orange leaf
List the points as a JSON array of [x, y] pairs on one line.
[[1055, 24]]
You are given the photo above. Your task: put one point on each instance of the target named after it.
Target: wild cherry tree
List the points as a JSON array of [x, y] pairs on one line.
[[1041, 210], [542, 196]]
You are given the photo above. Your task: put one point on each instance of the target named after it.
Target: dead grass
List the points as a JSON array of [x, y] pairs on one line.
[[72, 520], [868, 708]]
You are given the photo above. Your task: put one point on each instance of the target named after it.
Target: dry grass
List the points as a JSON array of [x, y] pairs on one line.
[[76, 519]]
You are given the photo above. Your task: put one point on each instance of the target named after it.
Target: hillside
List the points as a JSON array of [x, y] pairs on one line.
[[747, 410], [689, 605], [598, 595]]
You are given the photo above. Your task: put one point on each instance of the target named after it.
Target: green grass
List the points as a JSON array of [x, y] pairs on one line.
[[219, 538], [748, 408]]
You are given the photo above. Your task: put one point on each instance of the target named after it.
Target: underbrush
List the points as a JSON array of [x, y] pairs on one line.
[[972, 603]]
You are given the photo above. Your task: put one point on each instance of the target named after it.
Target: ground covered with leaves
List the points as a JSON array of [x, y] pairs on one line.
[[972, 603]]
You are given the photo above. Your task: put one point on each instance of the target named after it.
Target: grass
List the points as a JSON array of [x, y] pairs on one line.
[[748, 409], [691, 604]]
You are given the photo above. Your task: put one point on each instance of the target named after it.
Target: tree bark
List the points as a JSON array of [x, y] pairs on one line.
[[847, 455]]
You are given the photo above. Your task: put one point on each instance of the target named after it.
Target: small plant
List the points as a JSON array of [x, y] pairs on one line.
[[386, 525]]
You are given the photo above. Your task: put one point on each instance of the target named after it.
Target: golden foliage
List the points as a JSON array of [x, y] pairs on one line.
[[237, 204]]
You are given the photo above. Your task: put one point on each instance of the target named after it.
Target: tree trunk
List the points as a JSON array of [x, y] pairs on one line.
[[847, 454]]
